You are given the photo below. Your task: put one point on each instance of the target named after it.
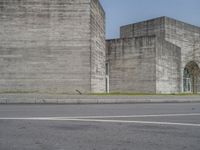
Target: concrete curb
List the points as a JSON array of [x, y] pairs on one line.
[[87, 99]]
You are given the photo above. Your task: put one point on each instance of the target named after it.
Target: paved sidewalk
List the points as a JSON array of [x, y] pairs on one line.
[[92, 99]]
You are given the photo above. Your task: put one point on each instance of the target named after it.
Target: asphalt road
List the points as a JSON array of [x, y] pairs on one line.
[[100, 127]]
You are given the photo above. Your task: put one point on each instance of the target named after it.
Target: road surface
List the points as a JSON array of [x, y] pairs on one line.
[[100, 127]]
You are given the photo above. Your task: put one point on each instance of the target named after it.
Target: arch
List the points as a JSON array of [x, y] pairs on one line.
[[191, 77]]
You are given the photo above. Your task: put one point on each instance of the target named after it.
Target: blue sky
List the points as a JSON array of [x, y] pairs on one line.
[[122, 12]]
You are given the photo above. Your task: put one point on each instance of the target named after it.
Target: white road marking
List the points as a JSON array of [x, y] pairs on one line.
[[131, 116], [106, 121], [137, 122], [101, 119]]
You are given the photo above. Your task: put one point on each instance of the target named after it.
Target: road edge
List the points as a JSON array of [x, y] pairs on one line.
[[91, 99]]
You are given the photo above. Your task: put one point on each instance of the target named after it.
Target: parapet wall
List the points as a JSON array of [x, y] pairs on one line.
[[145, 28]]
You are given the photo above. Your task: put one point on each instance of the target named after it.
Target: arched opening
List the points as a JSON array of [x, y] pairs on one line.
[[191, 76]]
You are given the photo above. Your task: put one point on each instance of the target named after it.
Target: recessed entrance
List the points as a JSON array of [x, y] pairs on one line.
[[107, 78], [191, 76]]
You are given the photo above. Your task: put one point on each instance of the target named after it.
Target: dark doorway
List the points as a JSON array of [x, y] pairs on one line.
[[191, 77]]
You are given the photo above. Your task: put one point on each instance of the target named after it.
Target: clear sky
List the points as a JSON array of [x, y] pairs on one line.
[[122, 12]]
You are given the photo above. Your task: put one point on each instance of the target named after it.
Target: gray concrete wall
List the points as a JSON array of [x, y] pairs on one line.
[[145, 28], [132, 64], [185, 36], [181, 34], [45, 46], [97, 47], [168, 67], [143, 65]]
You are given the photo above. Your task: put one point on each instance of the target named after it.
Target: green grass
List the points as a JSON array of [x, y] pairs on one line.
[[142, 94], [98, 94]]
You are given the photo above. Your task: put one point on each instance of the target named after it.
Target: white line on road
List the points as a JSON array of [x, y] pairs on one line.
[[101, 119], [131, 116], [105, 121], [132, 121]]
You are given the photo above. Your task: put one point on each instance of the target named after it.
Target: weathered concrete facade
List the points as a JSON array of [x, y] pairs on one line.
[[98, 55], [176, 46], [53, 46], [58, 46], [135, 65]]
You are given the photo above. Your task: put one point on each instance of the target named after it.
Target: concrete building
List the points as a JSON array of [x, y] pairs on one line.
[[160, 55], [58, 46], [52, 46]]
